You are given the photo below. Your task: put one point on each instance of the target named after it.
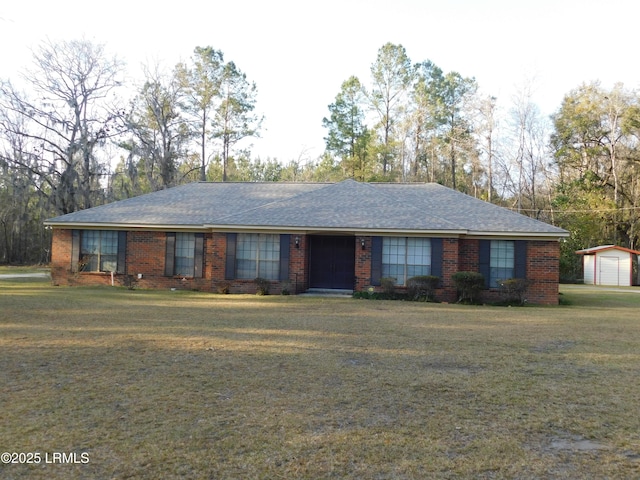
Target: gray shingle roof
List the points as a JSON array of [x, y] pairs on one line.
[[348, 206]]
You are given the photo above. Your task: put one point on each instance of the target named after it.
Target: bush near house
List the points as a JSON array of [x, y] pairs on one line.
[[469, 286], [262, 286], [422, 287], [388, 285], [513, 290]]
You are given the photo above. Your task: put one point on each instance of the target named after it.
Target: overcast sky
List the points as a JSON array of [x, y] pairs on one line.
[[300, 52]]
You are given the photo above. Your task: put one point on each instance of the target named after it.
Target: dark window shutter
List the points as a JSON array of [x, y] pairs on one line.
[[285, 246], [437, 254], [121, 266], [75, 250], [484, 261], [230, 264], [376, 260], [520, 260], [198, 258], [170, 253]]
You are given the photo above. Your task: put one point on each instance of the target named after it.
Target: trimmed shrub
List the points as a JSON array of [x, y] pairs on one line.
[[422, 287], [469, 285], [285, 288], [513, 290], [223, 287], [263, 285], [388, 285]]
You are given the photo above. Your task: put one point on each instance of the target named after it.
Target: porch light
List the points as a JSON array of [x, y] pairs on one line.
[[362, 243], [297, 242]]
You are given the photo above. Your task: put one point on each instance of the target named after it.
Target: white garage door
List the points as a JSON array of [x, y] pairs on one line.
[[609, 270]]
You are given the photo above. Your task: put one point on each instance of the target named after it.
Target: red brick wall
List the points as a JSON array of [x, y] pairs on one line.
[[60, 256], [146, 253], [299, 263], [468, 258], [543, 269], [450, 261], [363, 264]]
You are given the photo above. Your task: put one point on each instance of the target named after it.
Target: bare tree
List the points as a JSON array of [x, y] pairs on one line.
[[158, 129], [64, 120], [487, 123]]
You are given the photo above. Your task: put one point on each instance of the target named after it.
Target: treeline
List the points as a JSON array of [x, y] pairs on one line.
[[74, 134]]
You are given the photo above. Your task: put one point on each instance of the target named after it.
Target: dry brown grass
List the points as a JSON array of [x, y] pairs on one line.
[[189, 385]]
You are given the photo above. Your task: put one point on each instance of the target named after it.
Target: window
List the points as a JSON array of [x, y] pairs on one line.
[[502, 263], [98, 251], [184, 254], [184, 259], [403, 258], [257, 255]]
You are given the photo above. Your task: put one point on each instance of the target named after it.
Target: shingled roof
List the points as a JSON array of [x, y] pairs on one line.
[[347, 206]]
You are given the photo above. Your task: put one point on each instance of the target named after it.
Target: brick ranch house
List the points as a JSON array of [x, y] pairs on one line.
[[300, 236]]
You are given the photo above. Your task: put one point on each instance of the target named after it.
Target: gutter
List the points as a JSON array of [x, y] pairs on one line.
[[309, 230]]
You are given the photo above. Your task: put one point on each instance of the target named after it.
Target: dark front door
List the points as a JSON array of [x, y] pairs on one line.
[[332, 262]]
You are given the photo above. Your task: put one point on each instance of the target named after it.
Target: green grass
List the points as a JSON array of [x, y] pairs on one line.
[[158, 384]]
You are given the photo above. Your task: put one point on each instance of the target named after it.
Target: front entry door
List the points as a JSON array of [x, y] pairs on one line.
[[332, 262]]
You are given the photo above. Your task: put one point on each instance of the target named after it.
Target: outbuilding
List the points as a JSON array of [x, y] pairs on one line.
[[609, 265]]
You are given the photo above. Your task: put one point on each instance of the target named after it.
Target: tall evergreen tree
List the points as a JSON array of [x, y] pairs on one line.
[[348, 136], [392, 75], [201, 82], [234, 119]]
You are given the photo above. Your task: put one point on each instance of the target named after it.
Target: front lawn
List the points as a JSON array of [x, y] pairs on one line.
[[158, 384]]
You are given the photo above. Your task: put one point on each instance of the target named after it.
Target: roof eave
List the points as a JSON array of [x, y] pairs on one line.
[[521, 235], [306, 229], [313, 229], [604, 248], [122, 226]]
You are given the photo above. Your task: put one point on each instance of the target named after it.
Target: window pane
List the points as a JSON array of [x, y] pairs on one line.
[[90, 242], [257, 255], [269, 256], [394, 271], [245, 269], [108, 263], [418, 270], [108, 242], [393, 258], [246, 255], [99, 251], [247, 246], [502, 261], [89, 251], [418, 257], [269, 270], [403, 258], [184, 254]]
